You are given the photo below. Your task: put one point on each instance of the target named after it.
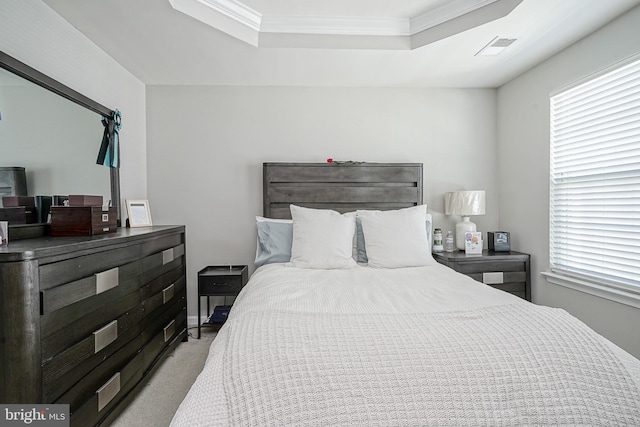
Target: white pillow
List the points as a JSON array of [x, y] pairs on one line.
[[396, 238], [322, 238]]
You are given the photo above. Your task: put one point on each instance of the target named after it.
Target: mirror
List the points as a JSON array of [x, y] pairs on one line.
[[54, 133]]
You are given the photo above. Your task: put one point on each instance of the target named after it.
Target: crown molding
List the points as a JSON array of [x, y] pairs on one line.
[[240, 21], [446, 12], [236, 10]]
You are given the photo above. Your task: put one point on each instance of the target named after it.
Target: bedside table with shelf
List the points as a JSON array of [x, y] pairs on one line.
[[507, 271], [220, 280]]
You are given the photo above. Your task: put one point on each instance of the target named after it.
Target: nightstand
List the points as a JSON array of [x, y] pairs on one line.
[[220, 280], [508, 271]]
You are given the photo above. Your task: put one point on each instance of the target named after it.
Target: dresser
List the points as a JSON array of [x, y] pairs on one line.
[[86, 320], [508, 271]]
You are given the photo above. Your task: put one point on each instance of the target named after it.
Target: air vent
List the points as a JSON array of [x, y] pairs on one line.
[[495, 46]]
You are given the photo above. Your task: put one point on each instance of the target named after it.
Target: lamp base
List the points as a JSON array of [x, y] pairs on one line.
[[461, 228]]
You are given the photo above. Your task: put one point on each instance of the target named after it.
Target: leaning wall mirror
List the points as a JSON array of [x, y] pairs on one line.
[[54, 133]]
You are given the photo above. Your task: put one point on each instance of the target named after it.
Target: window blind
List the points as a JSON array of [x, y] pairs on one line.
[[595, 179]]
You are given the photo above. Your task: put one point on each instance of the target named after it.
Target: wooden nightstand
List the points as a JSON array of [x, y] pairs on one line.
[[508, 271], [220, 280]]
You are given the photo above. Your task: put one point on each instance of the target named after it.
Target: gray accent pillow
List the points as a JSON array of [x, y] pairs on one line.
[[275, 237]]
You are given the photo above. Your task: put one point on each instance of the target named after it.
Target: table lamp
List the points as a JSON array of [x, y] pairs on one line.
[[465, 204]]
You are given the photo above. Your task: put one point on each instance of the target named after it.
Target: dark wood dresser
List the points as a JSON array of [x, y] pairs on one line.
[[85, 320]]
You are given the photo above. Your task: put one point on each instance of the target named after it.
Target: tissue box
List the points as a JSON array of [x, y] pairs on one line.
[[499, 241]]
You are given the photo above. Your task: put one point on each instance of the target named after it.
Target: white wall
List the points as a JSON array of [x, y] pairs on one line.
[[206, 146], [34, 34], [523, 153]]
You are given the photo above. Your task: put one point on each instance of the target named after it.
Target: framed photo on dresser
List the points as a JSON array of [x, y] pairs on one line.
[[138, 213]]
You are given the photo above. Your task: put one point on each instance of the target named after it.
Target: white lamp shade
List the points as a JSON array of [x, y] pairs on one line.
[[464, 203]]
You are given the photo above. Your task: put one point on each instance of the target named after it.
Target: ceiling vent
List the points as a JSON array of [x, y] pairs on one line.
[[495, 46]]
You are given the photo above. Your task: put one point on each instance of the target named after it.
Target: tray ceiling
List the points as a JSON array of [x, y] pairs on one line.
[[163, 46], [343, 24]]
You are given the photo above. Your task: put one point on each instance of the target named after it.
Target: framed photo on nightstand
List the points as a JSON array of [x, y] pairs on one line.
[[473, 243]]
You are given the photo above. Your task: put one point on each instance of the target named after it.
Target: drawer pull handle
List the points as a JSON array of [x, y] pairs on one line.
[[106, 280], [167, 293], [167, 256], [105, 335], [494, 278], [169, 330], [108, 391]]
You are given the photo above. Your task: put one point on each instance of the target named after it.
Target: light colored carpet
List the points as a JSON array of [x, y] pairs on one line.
[[159, 399]]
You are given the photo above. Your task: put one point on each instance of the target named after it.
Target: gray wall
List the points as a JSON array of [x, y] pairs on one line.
[[523, 153], [206, 146]]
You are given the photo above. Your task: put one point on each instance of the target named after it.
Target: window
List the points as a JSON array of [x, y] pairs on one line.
[[594, 221]]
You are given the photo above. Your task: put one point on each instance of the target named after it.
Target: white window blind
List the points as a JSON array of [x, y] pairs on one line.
[[595, 179]]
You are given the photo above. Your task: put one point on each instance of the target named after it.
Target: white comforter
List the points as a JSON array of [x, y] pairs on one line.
[[415, 346]]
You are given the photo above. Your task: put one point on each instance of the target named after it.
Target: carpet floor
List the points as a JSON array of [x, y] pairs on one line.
[[159, 399]]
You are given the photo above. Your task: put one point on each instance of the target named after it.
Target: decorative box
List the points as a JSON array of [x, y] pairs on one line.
[[18, 215], [82, 220], [499, 241], [13, 201], [84, 200]]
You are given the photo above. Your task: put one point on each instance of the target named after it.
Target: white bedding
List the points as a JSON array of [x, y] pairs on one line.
[[412, 346]]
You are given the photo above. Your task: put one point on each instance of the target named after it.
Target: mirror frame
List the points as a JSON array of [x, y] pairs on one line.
[[21, 69]]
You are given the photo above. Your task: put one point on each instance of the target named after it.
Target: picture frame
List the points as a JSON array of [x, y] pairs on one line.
[[138, 213], [473, 243]]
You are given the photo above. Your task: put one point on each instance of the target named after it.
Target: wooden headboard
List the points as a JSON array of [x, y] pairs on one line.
[[343, 187]]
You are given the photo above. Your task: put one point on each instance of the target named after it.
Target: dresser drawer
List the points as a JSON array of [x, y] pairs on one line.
[[83, 390], [467, 267], [109, 392], [161, 244], [68, 367], [499, 277], [162, 262], [64, 328], [80, 267], [112, 388], [164, 297], [162, 333], [68, 293], [219, 285]]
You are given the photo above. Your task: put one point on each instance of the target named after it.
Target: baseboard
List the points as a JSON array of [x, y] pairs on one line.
[[192, 321]]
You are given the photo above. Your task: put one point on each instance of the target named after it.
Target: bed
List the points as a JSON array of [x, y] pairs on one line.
[[321, 338]]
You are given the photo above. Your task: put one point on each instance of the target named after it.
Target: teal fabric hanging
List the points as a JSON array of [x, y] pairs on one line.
[[109, 154]]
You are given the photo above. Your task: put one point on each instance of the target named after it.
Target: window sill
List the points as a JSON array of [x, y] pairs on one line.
[[623, 296]]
